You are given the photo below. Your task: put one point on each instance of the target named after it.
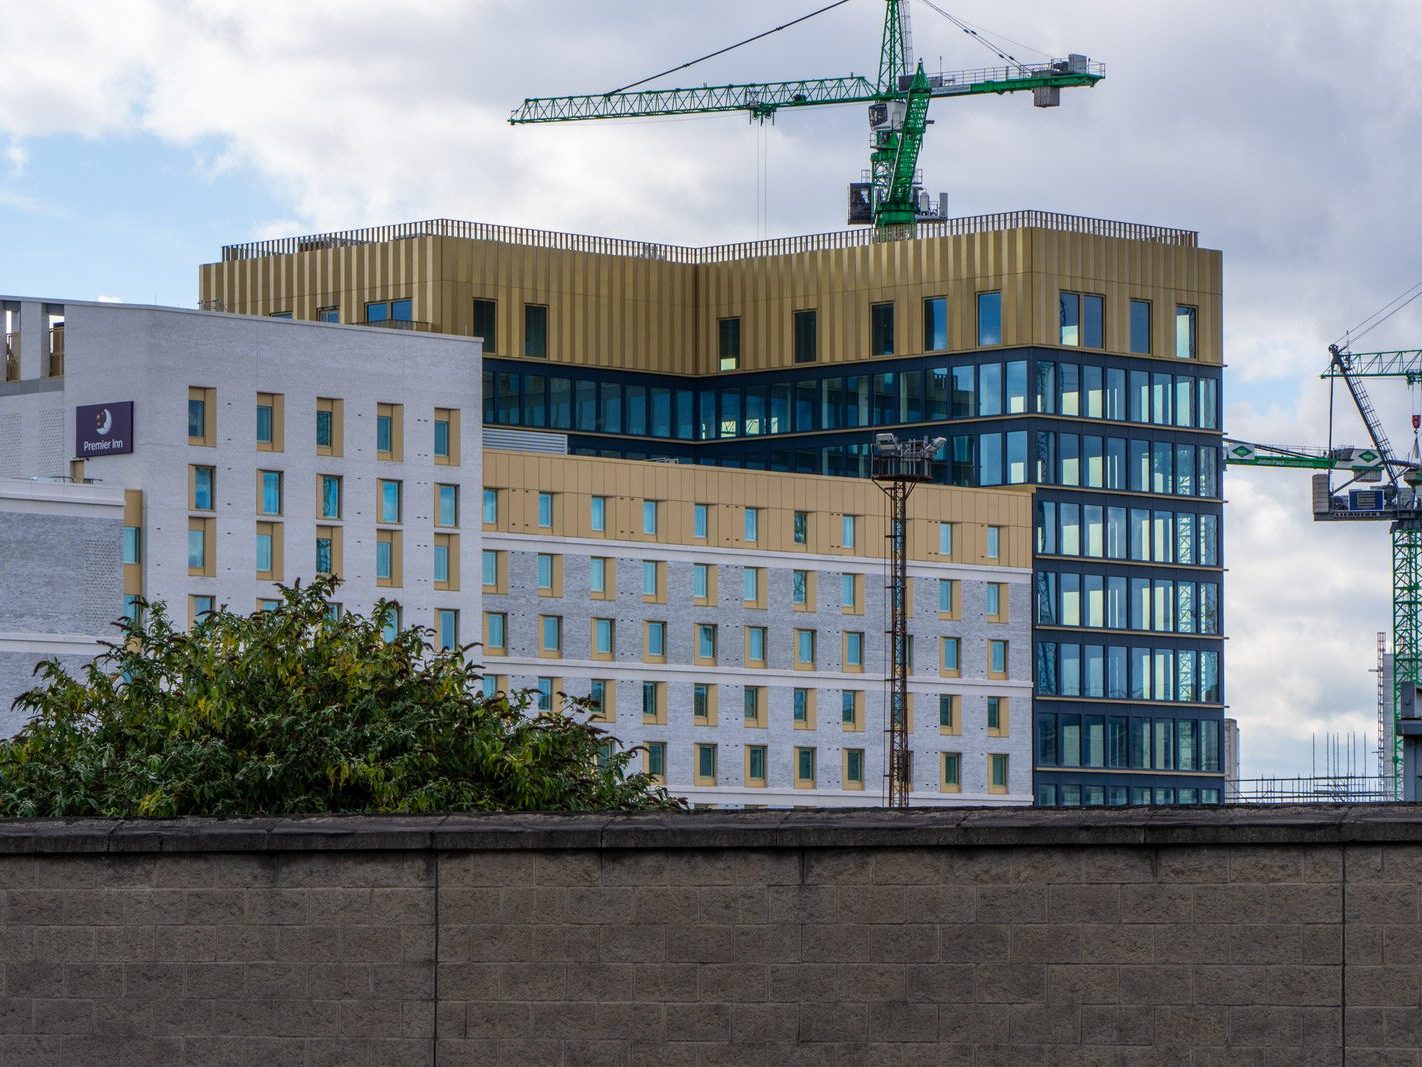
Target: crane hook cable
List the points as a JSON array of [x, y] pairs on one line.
[[728, 48], [1386, 312], [973, 33]]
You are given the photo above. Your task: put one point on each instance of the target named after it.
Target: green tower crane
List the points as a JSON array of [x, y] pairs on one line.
[[1380, 487], [898, 111]]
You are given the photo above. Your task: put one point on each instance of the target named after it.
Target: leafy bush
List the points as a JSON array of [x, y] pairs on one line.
[[291, 710]]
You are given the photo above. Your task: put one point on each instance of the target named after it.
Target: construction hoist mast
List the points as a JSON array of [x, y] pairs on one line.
[[891, 199], [1381, 487]]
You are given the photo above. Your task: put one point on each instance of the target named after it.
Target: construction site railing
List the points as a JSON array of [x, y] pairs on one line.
[[779, 246]]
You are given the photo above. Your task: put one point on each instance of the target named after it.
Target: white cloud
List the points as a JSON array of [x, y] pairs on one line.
[[1289, 134], [108, 298]]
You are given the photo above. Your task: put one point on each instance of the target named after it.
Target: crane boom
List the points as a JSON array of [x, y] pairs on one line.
[[898, 110], [1405, 363]]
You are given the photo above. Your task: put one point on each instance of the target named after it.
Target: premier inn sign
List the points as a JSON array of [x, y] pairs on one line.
[[103, 429]]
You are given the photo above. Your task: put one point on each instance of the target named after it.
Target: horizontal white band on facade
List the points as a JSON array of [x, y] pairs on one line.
[[67, 499], [840, 798], [51, 644], [614, 670], [736, 557]]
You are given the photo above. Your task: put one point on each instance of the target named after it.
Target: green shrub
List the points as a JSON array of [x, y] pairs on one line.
[[290, 710]]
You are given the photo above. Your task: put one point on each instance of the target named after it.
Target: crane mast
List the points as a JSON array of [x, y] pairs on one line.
[[1382, 488], [890, 199]]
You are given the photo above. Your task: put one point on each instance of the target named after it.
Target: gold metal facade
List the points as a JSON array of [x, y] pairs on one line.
[[643, 313]]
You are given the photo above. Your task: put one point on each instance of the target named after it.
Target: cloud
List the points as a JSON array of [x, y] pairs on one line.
[[107, 298], [1289, 134]]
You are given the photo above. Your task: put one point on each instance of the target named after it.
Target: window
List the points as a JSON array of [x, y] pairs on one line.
[[269, 407], [851, 709], [654, 704], [997, 773], [753, 703], [389, 431], [655, 760], [446, 505], [990, 318], [401, 310], [994, 601], [804, 768], [199, 606], [881, 329], [535, 331], [545, 511], [447, 628], [752, 585], [328, 426], [705, 764], [652, 572], [441, 560], [269, 551], [752, 525], [800, 589], [133, 544], [947, 596], [802, 709], [951, 663], [854, 768], [994, 542], [1185, 331], [388, 501], [848, 528], [390, 624], [386, 563], [491, 507], [701, 581], [703, 704], [1140, 327], [853, 651], [801, 528], [543, 698], [945, 539], [330, 504], [850, 586], [486, 325], [755, 765], [804, 648], [1081, 319], [935, 324], [649, 516], [202, 416], [328, 550], [328, 314], [604, 637], [656, 640], [597, 575], [952, 772], [200, 554], [544, 569], [805, 340], [446, 436], [997, 716], [700, 521], [755, 645], [997, 658], [597, 514], [728, 343], [706, 641], [203, 488], [948, 720], [600, 700], [550, 634]]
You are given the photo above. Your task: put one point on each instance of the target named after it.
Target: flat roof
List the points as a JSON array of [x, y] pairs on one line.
[[777, 246]]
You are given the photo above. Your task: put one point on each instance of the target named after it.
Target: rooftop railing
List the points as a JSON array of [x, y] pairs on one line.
[[778, 246]]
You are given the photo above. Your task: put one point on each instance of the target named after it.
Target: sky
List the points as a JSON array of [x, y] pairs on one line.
[[138, 136]]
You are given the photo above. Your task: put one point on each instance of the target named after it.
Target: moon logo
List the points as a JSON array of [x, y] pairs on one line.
[[104, 423]]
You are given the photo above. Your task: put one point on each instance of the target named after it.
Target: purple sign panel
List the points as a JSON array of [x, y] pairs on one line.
[[103, 429]]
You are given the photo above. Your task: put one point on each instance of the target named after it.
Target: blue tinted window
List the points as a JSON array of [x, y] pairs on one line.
[[990, 318]]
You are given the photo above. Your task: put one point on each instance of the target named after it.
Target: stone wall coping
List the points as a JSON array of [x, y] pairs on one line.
[[800, 828]]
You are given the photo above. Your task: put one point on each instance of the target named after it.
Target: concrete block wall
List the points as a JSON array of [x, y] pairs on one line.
[[1132, 937]]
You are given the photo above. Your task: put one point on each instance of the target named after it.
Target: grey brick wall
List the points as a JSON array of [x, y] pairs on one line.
[[1132, 937]]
